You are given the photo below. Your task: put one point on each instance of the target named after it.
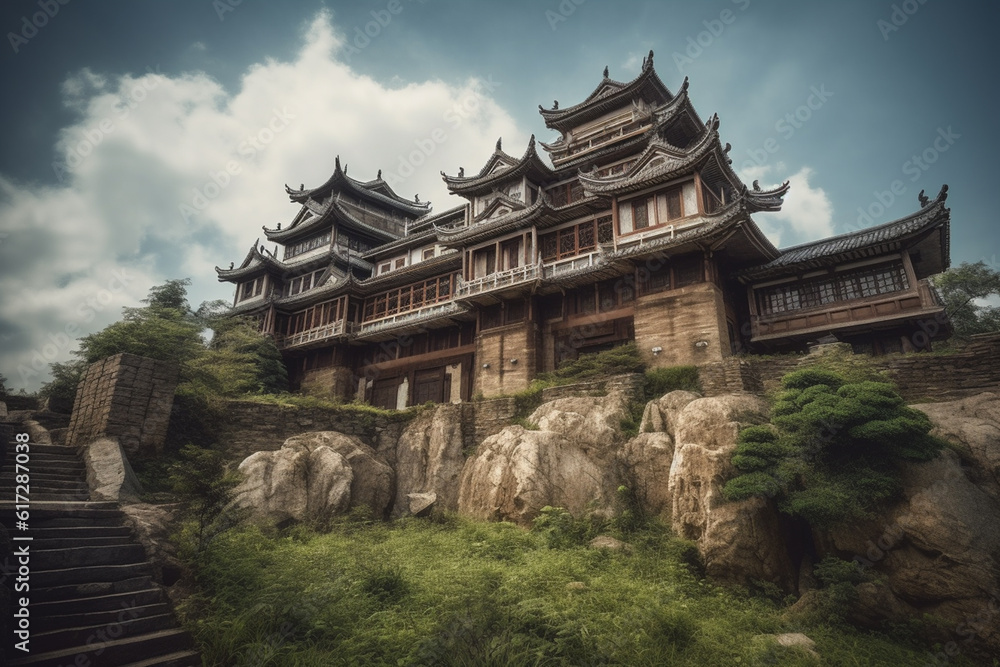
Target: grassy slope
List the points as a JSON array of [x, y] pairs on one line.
[[461, 593]]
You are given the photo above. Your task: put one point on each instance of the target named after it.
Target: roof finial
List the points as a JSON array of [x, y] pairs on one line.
[[416, 198], [336, 163], [555, 104], [279, 226], [924, 199], [500, 144], [379, 177], [461, 172], [345, 169], [302, 186], [231, 265], [605, 71], [649, 59]]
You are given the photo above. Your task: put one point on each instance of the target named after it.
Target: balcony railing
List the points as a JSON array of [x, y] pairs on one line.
[[427, 312], [498, 280], [339, 328], [572, 264]]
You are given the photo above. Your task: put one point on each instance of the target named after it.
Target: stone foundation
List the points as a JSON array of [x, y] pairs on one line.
[[687, 325], [127, 397]]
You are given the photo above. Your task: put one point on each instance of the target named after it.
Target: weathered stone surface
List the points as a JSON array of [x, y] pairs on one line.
[[429, 458], [517, 472], [609, 543], [152, 526], [109, 475], [660, 414], [974, 424], [295, 484], [740, 541], [419, 504], [585, 420], [3, 410], [38, 433], [372, 479], [797, 640], [646, 461], [943, 558]]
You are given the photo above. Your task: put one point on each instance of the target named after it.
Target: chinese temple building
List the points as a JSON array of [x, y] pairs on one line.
[[639, 230]]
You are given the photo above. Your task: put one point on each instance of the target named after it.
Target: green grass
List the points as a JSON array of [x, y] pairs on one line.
[[454, 592]]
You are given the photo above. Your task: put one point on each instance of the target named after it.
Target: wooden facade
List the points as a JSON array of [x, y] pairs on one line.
[[636, 228]]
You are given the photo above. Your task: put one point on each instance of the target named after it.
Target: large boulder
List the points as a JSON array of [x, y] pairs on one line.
[[109, 475], [294, 483], [372, 479], [517, 472], [152, 526], [646, 460], [660, 415], [429, 458], [739, 541], [974, 425], [588, 420], [943, 557]]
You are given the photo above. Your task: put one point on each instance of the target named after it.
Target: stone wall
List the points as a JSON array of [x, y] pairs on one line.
[[678, 320], [498, 347], [920, 376], [127, 397], [247, 426], [331, 382]]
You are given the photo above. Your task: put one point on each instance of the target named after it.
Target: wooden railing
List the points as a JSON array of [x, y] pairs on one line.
[[339, 328], [552, 269], [498, 280], [439, 309]]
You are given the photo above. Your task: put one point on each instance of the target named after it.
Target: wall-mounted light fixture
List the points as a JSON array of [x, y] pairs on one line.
[[701, 343], [513, 361], [486, 365], [657, 350]]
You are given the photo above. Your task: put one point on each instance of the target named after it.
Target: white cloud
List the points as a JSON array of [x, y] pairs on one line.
[[145, 145], [807, 214]]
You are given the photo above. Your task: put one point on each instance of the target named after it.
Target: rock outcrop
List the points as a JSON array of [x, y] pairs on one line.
[[109, 475], [429, 459], [372, 479], [295, 483], [739, 541]]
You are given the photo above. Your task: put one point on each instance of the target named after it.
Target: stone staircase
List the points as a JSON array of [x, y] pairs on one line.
[[93, 598]]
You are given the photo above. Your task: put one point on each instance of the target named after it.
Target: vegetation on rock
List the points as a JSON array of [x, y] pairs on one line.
[[830, 453], [962, 289]]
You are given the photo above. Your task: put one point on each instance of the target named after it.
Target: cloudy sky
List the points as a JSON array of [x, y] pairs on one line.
[[147, 141]]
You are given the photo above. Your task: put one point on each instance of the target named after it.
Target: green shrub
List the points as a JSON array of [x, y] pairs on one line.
[[660, 381]]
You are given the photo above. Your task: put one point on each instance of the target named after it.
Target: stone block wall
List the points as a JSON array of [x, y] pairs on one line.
[[498, 347], [126, 397], [678, 320]]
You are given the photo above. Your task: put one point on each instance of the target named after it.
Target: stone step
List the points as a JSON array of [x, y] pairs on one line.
[[34, 456], [58, 495], [115, 652], [84, 532], [38, 448], [100, 632], [37, 483], [100, 604], [8, 479], [179, 659], [74, 557], [126, 609], [67, 595], [70, 542], [89, 574]]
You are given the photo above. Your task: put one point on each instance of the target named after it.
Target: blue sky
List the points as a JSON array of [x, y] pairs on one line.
[[144, 141]]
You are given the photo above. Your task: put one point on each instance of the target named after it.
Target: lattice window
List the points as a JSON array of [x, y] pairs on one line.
[[550, 247], [586, 237], [640, 215], [605, 230]]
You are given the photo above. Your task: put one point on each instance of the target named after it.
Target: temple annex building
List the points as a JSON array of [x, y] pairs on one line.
[[639, 230]]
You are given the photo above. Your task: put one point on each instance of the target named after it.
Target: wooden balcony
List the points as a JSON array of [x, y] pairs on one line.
[[316, 334], [498, 281], [409, 318], [554, 269], [905, 304]]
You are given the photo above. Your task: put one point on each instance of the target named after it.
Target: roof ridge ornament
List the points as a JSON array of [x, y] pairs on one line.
[[647, 62], [605, 71], [555, 105], [379, 176], [500, 144]]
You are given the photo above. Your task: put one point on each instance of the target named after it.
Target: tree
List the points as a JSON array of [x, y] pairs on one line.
[[3, 387], [961, 288], [831, 452], [65, 377]]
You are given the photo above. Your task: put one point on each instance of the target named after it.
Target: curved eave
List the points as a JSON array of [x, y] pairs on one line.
[[769, 201], [361, 188], [406, 243], [598, 104], [254, 264], [716, 228], [331, 289], [411, 272], [927, 230], [484, 230], [530, 164], [252, 307], [501, 200], [427, 222], [676, 163]]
